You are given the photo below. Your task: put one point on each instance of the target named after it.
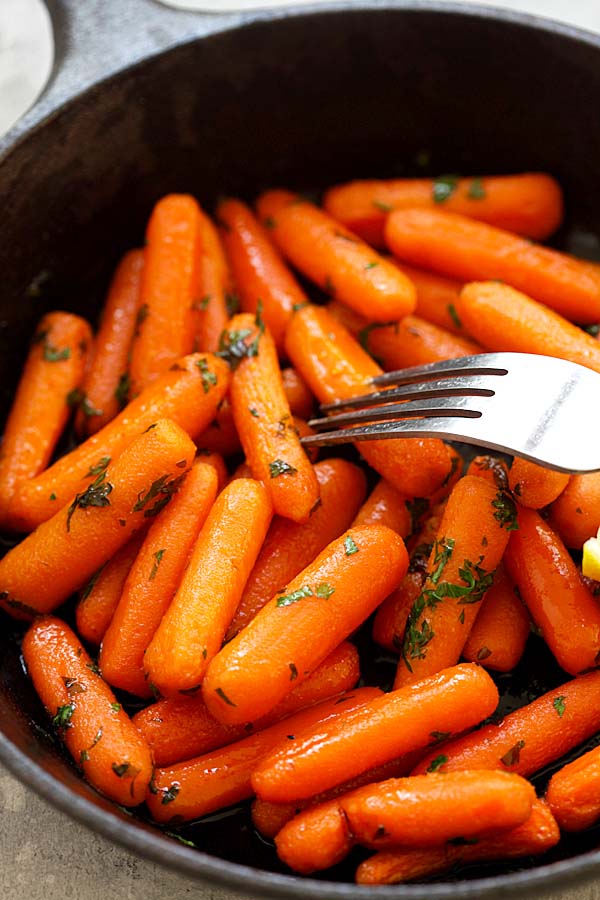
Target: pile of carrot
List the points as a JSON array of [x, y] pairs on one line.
[[221, 573]]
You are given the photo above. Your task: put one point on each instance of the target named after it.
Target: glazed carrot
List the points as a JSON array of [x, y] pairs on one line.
[[436, 298], [318, 838], [473, 251], [192, 629], [64, 552], [492, 468], [299, 395], [537, 835], [576, 513], [530, 204], [335, 366], [259, 271], [221, 435], [390, 620], [214, 290], [289, 547], [153, 580], [218, 464], [179, 728], [55, 367], [105, 389], [303, 429], [529, 738], [100, 597], [301, 625], [535, 486], [335, 259], [498, 637], [98, 734], [385, 506], [207, 783], [471, 540], [387, 727], [188, 394], [501, 318], [411, 341], [573, 793], [551, 587], [264, 423]]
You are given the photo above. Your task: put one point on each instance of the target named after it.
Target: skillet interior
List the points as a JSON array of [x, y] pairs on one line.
[[301, 101]]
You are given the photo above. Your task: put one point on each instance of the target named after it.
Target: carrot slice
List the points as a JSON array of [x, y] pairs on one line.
[[498, 637], [214, 291], [335, 259], [298, 628], [535, 486], [576, 513], [472, 251], [64, 552], [105, 389], [97, 732]]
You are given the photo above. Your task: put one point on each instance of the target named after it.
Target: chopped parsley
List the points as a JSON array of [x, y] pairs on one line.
[[121, 769], [85, 754], [254, 412], [161, 492], [53, 354], [483, 653], [116, 707], [221, 693], [437, 763], [439, 736], [506, 511], [350, 545], [324, 590], [454, 315], [371, 265], [512, 756], [288, 599], [232, 303], [293, 671], [443, 187], [157, 560], [95, 495], [100, 467], [559, 705], [169, 794], [122, 389], [142, 314], [280, 467], [476, 190], [208, 378], [62, 719], [382, 207]]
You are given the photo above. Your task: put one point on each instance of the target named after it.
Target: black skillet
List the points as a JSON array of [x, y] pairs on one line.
[[146, 100]]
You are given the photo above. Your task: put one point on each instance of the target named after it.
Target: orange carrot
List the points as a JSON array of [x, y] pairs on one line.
[[491, 468], [576, 513], [303, 429], [105, 389], [179, 728], [264, 422], [335, 259], [297, 629], [260, 274], [100, 597], [207, 783], [153, 580], [192, 629], [54, 369], [530, 204], [535, 486], [498, 637], [529, 738], [436, 299], [165, 323], [299, 395], [473, 251], [221, 435], [290, 547], [471, 540], [387, 727], [188, 394], [214, 290], [98, 734], [390, 620], [551, 587], [573, 793], [336, 367], [537, 835], [64, 552], [385, 506], [318, 838]]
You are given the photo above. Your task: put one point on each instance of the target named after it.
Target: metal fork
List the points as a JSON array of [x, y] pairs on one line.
[[538, 407]]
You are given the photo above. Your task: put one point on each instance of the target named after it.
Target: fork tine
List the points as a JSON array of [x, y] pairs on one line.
[[471, 385], [411, 409], [401, 428], [481, 364]]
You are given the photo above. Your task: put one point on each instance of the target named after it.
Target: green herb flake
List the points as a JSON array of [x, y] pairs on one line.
[[280, 467], [62, 719], [298, 306], [233, 347], [350, 545], [254, 412], [476, 190], [288, 599], [181, 839], [439, 736], [74, 397], [203, 303], [95, 495], [594, 330], [559, 705], [93, 667], [437, 763], [122, 390], [293, 671], [121, 769], [74, 687], [116, 707], [208, 378], [85, 754], [371, 265], [221, 693], [443, 187], [454, 315], [324, 590], [52, 496], [232, 303], [142, 314], [512, 756], [53, 354], [506, 511], [100, 467], [159, 491], [169, 794], [483, 653], [157, 560], [382, 207]]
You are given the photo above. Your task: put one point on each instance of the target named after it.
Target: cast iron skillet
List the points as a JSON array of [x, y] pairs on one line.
[[146, 101]]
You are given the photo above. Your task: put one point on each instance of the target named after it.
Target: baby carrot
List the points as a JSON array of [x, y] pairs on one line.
[[299, 395], [530, 204], [189, 393], [436, 298], [54, 369], [207, 783], [100, 596], [154, 577], [105, 389], [259, 271], [165, 322], [289, 547], [301, 625], [385, 506], [473, 251], [573, 793], [64, 552], [576, 513], [501, 318], [98, 734], [536, 835], [492, 468], [471, 540], [263, 420], [498, 637], [318, 838], [535, 486], [387, 727], [389, 624], [335, 366], [551, 587], [192, 629], [335, 259], [214, 290], [179, 728], [221, 435], [529, 738]]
